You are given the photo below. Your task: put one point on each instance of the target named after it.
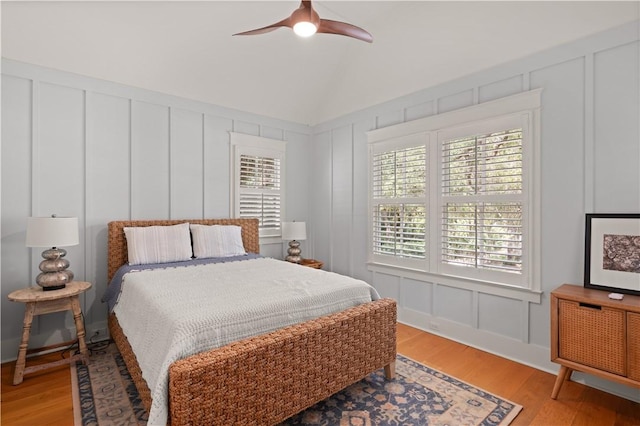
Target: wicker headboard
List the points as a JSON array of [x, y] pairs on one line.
[[117, 243]]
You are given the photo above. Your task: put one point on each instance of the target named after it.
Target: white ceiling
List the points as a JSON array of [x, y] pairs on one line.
[[186, 48]]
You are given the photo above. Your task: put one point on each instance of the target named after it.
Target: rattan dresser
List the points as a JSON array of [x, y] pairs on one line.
[[595, 334]]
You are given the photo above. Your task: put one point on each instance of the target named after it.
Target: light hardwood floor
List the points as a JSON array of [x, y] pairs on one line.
[[44, 398]]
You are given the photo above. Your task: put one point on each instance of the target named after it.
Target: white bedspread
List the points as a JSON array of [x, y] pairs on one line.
[[169, 314]]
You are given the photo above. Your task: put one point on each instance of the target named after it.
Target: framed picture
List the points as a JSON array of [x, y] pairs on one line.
[[612, 252]]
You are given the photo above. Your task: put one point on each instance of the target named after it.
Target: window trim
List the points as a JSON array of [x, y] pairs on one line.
[[527, 105], [243, 144]]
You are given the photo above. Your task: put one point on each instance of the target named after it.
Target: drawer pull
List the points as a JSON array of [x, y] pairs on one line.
[[590, 306]]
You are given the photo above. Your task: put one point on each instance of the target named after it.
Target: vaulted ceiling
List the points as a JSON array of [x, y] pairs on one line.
[[186, 48]]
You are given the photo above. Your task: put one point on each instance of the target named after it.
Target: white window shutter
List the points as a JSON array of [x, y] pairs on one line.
[[481, 201], [260, 192], [399, 202], [258, 176], [482, 209]]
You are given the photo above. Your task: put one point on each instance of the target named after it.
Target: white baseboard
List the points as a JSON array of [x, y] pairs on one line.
[[524, 353]]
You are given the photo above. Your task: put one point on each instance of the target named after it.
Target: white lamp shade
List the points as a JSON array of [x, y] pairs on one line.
[[52, 231], [294, 231]]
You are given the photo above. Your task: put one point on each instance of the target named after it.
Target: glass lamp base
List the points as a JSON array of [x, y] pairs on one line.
[[294, 252], [55, 274]]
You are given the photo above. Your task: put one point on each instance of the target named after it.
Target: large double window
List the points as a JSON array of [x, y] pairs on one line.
[[258, 177], [455, 194]]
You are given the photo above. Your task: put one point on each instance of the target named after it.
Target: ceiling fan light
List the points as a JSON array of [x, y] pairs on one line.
[[304, 29]]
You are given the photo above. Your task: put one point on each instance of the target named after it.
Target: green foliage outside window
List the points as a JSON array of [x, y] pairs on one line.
[[483, 232], [399, 226]]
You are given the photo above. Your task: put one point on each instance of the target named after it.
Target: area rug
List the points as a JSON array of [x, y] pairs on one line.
[[104, 394]]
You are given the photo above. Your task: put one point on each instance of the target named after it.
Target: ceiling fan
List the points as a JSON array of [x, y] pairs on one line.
[[305, 22]]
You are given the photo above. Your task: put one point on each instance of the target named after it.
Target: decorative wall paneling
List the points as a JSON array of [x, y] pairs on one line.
[[321, 201], [16, 146], [589, 163], [77, 146], [590, 148]]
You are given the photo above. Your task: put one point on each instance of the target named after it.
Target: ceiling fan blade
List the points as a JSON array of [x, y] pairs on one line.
[[306, 13], [328, 26], [284, 23]]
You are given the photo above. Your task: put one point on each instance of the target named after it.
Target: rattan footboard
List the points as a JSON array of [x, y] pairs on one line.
[[266, 379]]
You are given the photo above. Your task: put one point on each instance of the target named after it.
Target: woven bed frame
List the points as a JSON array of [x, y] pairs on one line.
[[265, 379]]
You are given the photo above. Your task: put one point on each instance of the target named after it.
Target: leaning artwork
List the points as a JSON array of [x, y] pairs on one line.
[[612, 252]]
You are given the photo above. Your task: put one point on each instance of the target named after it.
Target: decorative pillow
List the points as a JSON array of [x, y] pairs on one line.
[[217, 241], [158, 244]]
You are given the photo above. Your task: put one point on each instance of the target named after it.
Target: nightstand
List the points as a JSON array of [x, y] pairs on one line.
[[40, 302], [595, 335], [311, 263]]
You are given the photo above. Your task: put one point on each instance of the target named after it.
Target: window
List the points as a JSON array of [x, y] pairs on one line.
[[399, 200], [260, 191], [482, 200], [454, 194], [258, 181]]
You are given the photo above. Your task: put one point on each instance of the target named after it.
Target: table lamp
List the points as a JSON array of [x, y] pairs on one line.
[[294, 232], [53, 232]]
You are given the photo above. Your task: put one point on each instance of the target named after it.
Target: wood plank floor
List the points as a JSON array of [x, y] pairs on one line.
[[44, 398]]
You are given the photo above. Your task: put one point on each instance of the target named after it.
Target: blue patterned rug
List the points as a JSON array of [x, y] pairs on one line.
[[105, 395]]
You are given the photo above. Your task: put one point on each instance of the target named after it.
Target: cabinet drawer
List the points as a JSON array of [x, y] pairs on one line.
[[633, 345], [592, 335]]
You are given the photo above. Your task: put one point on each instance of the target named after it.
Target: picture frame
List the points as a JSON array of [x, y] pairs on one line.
[[612, 252]]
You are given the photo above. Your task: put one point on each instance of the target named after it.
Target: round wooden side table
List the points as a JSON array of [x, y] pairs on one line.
[[40, 302], [311, 263]]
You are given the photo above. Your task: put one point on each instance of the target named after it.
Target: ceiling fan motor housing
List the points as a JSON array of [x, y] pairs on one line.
[[305, 13], [305, 22]]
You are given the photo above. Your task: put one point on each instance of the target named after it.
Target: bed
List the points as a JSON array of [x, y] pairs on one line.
[[264, 379]]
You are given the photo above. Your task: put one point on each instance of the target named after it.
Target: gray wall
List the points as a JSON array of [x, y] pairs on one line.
[[77, 146], [119, 152], [590, 156]]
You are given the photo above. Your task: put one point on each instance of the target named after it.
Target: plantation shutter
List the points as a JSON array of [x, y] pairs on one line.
[[457, 196], [399, 207], [482, 201], [260, 192]]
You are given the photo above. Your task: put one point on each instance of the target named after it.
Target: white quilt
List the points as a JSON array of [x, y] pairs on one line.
[[169, 314]]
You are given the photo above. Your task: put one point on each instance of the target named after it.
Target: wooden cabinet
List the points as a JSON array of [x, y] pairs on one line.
[[595, 334], [633, 345]]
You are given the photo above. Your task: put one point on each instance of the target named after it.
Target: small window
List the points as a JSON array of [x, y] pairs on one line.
[[258, 179], [260, 191]]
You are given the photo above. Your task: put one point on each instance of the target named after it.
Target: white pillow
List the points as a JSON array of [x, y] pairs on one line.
[[217, 241], [158, 244]]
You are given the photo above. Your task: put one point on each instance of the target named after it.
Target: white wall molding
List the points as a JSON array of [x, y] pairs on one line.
[[77, 81], [589, 92], [516, 293], [520, 102], [122, 153], [618, 36]]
